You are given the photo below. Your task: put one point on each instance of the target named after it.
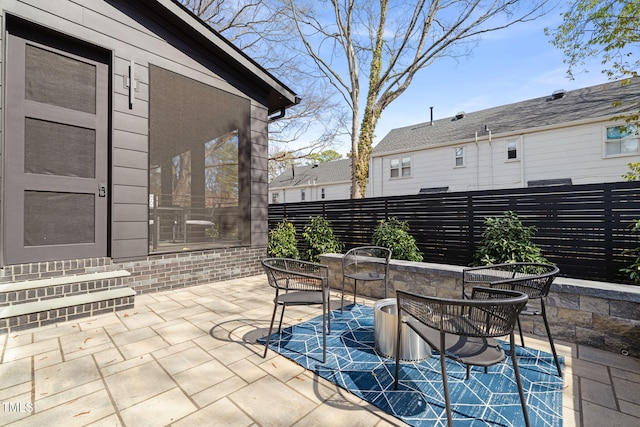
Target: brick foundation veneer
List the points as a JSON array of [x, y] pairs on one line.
[[155, 273], [34, 295], [33, 320]]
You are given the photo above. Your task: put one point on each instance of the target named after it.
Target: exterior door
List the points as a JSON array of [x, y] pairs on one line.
[[55, 158]]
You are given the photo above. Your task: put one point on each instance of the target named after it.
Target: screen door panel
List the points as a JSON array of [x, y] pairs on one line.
[[56, 154], [47, 220]]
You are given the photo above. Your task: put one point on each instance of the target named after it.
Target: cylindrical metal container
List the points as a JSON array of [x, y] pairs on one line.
[[385, 321]]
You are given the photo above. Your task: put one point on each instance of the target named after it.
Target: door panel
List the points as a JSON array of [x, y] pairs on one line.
[[55, 154]]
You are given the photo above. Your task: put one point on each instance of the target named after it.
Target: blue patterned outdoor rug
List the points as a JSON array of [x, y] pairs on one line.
[[483, 400]]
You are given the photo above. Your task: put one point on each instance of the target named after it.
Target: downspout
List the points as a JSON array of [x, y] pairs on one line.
[[490, 160], [280, 115], [522, 177], [477, 163], [283, 111]]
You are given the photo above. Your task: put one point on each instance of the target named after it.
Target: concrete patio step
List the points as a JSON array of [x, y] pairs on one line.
[[34, 303]]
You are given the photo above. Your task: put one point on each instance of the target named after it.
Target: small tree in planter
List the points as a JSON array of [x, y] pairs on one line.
[[506, 239], [282, 241], [394, 234], [320, 239]]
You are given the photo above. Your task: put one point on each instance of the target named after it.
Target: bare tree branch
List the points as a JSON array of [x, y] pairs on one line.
[[395, 40]]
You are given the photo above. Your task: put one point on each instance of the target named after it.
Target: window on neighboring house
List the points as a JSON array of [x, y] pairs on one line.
[[512, 150], [459, 155], [401, 167], [303, 195], [322, 193], [275, 197], [621, 140]]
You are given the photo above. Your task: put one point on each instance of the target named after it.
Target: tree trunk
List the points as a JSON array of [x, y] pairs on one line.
[[371, 111]]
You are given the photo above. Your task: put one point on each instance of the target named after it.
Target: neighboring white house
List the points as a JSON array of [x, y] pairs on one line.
[[322, 181], [564, 137]]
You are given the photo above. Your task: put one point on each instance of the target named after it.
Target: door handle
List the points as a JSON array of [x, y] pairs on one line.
[[102, 190]]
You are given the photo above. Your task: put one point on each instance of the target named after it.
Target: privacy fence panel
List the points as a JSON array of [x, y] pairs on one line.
[[584, 229]]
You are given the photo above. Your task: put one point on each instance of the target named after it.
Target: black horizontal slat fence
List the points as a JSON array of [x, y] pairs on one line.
[[582, 228]]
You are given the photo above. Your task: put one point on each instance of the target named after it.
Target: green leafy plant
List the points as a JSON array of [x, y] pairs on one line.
[[394, 234], [282, 241], [633, 270], [320, 239], [634, 172], [506, 239]]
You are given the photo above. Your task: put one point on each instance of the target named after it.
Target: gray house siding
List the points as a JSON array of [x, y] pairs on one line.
[[146, 34], [133, 36]]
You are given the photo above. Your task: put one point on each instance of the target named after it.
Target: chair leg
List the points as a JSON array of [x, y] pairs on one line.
[[553, 347], [516, 371], [328, 317], [281, 317], [520, 330], [324, 331], [273, 316], [397, 353], [445, 383], [342, 299], [355, 290]]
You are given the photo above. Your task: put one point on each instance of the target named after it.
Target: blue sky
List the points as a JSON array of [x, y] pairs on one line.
[[507, 66]]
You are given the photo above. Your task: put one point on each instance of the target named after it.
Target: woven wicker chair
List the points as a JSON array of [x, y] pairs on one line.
[[464, 330], [533, 279], [365, 264], [298, 283]]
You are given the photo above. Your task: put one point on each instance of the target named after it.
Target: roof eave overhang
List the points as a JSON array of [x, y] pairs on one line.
[[279, 96]]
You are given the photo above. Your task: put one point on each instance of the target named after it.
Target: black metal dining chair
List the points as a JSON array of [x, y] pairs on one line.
[[298, 283], [533, 279], [464, 330], [365, 264]]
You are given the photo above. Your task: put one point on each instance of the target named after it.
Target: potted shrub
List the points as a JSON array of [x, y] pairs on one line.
[[282, 241], [320, 239], [394, 234], [506, 239]]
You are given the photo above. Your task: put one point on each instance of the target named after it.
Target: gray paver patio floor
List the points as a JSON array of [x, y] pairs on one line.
[[188, 357]]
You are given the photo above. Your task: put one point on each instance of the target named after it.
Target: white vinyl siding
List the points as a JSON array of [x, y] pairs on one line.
[[574, 152], [339, 190]]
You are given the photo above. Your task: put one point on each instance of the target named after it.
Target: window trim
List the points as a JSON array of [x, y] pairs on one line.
[[461, 156], [516, 150], [606, 139], [400, 168]]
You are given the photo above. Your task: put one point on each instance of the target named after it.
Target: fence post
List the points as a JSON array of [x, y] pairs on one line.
[[607, 224], [471, 221]]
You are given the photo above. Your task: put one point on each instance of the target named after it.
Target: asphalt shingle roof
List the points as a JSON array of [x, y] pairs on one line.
[[322, 173], [591, 102]]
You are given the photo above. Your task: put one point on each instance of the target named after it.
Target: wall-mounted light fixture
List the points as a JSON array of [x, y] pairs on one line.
[[131, 83]]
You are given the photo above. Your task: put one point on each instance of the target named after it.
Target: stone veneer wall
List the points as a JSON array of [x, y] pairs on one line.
[[598, 314], [154, 273]]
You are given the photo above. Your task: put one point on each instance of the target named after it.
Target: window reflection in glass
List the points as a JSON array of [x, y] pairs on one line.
[[197, 135]]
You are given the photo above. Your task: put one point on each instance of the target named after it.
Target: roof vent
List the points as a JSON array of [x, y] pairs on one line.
[[459, 116], [558, 94]]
